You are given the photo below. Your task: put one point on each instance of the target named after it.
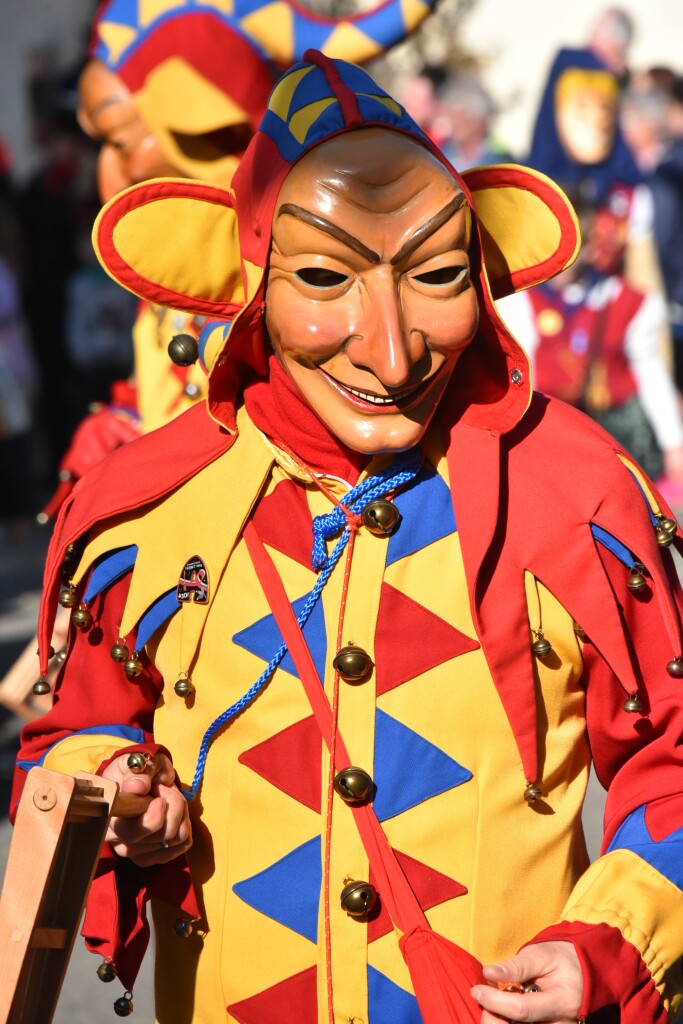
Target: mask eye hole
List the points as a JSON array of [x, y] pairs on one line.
[[441, 276], [320, 277]]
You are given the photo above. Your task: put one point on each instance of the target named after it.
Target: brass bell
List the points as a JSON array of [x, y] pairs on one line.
[[69, 561], [530, 986], [132, 666], [60, 656], [541, 647], [636, 580], [184, 687], [106, 971], [353, 785], [380, 517], [352, 663], [119, 651], [67, 598], [82, 618], [358, 898], [580, 631], [670, 525], [183, 349], [532, 793], [183, 927], [41, 686], [664, 538], [137, 761], [675, 668], [123, 1007], [632, 704]]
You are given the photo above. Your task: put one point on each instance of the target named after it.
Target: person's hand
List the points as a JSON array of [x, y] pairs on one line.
[[162, 831], [553, 966]]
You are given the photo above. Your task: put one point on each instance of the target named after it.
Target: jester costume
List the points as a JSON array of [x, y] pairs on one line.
[[516, 617]]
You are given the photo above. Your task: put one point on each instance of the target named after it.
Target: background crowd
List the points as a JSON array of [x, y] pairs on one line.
[[65, 329]]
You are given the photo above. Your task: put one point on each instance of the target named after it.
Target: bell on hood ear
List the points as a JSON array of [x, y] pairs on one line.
[[174, 242], [529, 230]]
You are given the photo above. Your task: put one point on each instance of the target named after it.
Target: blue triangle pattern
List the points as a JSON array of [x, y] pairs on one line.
[[123, 12], [109, 569], [309, 33], [159, 612], [289, 890], [664, 855], [264, 638], [427, 515], [408, 768], [388, 1003], [384, 24]]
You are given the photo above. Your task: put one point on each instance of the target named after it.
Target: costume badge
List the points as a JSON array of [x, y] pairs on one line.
[[193, 584]]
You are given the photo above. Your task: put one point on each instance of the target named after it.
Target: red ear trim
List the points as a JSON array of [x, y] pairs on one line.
[[519, 177], [126, 275]]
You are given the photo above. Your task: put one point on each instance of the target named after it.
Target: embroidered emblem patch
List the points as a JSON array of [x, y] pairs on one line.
[[193, 584]]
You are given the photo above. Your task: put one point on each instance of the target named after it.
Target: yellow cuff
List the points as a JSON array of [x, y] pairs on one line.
[[623, 890], [83, 753]]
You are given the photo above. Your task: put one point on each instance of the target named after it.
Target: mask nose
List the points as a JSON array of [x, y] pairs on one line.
[[385, 343]]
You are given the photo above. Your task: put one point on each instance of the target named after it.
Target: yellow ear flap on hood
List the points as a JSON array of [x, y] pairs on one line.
[[529, 230], [174, 242]]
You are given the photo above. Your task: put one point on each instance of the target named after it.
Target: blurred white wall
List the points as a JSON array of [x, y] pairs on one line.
[[24, 26]]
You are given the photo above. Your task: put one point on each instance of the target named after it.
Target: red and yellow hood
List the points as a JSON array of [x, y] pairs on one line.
[[197, 247]]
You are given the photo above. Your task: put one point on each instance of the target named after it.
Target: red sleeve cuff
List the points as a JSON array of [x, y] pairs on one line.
[[614, 974]]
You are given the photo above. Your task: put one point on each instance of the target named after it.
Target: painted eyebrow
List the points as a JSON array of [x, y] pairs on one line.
[[329, 228], [110, 101], [432, 225]]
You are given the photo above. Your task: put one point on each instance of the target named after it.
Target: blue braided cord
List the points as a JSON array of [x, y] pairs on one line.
[[373, 487], [332, 523], [618, 549], [263, 679], [653, 517]]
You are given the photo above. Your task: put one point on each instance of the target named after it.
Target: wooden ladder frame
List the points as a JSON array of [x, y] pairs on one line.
[[60, 827]]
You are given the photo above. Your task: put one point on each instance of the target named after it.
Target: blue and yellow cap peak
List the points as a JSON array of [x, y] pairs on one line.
[[322, 96]]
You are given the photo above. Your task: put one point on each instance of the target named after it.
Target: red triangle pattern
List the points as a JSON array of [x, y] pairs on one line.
[[431, 888], [283, 521], [425, 640], [292, 761], [292, 1001]]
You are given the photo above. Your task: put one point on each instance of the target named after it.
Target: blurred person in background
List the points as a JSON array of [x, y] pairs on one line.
[[610, 38], [465, 115], [577, 139], [18, 372], [593, 342], [666, 185], [418, 93]]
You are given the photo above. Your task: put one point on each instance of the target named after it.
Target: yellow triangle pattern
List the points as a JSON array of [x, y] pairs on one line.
[[386, 101], [304, 118], [347, 42], [281, 98], [413, 11], [273, 27], [116, 38]]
